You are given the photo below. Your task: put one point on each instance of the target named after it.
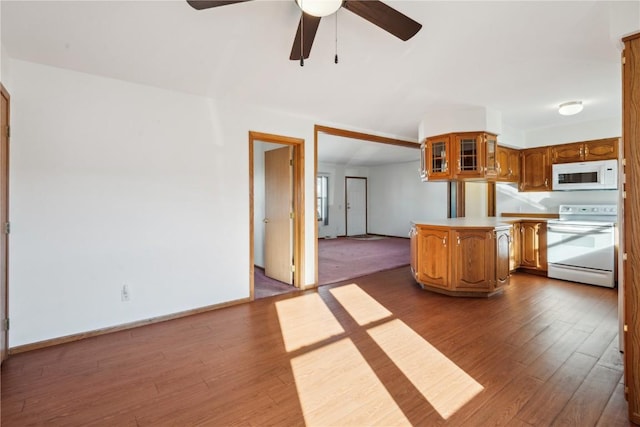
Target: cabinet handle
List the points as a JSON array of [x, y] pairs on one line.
[[581, 151], [444, 241], [546, 182], [459, 165], [586, 151], [458, 240], [510, 171], [498, 167]]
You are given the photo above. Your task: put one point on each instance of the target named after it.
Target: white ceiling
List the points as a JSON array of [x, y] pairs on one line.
[[519, 58]]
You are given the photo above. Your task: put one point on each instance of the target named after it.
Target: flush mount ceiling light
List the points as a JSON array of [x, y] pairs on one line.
[[570, 108], [319, 8]]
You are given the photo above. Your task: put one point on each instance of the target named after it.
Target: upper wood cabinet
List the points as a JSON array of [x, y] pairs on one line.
[[535, 169], [599, 149], [468, 155], [437, 157], [507, 164]]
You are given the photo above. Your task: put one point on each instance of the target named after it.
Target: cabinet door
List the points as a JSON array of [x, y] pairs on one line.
[[472, 260], [502, 160], [490, 149], [514, 165], [601, 149], [534, 244], [535, 172], [433, 257], [438, 153], [413, 237], [469, 154], [515, 247], [567, 153], [502, 259]]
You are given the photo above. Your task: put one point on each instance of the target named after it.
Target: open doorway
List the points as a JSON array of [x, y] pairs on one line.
[[373, 192], [276, 172]]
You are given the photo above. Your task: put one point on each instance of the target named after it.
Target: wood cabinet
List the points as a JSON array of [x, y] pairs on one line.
[[437, 156], [464, 261], [533, 245], [600, 149], [631, 223], [516, 247], [507, 164], [459, 156], [432, 260], [535, 169]]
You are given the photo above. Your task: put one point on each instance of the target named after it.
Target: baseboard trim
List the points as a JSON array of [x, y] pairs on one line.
[[97, 332]]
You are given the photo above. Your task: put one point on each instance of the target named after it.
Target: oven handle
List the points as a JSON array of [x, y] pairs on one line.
[[579, 229]]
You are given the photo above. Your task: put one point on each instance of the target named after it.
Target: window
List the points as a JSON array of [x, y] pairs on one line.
[[322, 199]]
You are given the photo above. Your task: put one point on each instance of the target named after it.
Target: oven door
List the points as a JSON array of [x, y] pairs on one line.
[[586, 245]]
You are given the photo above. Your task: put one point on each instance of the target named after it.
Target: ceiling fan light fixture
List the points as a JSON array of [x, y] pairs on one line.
[[319, 8], [570, 108]]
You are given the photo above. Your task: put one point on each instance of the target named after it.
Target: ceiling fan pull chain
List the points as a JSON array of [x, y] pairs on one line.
[[336, 58]]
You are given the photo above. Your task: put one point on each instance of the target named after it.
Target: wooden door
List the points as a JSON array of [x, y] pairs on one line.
[[514, 165], [567, 153], [631, 225], [502, 258], [469, 149], [531, 256], [356, 203], [438, 157], [472, 259], [502, 159], [535, 170], [4, 221], [601, 149], [413, 236], [433, 257], [515, 247], [490, 149], [278, 234]]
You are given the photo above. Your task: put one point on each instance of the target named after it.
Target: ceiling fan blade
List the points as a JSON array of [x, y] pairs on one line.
[[208, 4], [310, 25], [384, 17]]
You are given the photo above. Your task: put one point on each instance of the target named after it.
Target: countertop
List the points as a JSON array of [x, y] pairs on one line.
[[487, 222]]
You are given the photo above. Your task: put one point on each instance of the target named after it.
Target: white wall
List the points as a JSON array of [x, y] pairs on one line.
[[397, 196], [508, 199], [116, 183], [337, 174], [585, 131], [475, 199]]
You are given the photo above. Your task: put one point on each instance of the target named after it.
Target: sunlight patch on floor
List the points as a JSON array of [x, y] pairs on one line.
[[337, 387], [445, 386], [306, 320], [360, 305]]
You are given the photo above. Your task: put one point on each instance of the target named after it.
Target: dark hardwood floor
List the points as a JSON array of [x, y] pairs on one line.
[[543, 353]]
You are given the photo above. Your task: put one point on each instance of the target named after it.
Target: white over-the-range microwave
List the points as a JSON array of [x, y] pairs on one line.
[[594, 175]]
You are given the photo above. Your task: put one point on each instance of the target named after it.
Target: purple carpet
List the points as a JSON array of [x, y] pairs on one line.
[[344, 258], [264, 286]]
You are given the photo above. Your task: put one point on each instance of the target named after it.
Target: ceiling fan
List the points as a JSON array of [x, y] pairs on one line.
[[373, 11]]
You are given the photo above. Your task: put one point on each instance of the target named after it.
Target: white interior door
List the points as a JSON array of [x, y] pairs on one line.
[[356, 202], [278, 232]]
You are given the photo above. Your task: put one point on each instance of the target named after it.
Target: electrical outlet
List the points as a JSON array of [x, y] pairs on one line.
[[124, 294]]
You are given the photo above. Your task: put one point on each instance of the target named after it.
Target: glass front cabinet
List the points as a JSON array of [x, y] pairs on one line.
[[469, 155]]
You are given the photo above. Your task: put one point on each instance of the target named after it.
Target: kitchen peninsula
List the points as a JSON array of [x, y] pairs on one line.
[[461, 256]]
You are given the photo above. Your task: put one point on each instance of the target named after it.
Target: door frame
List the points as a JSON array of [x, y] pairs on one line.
[[366, 204], [318, 129], [4, 298], [298, 204]]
